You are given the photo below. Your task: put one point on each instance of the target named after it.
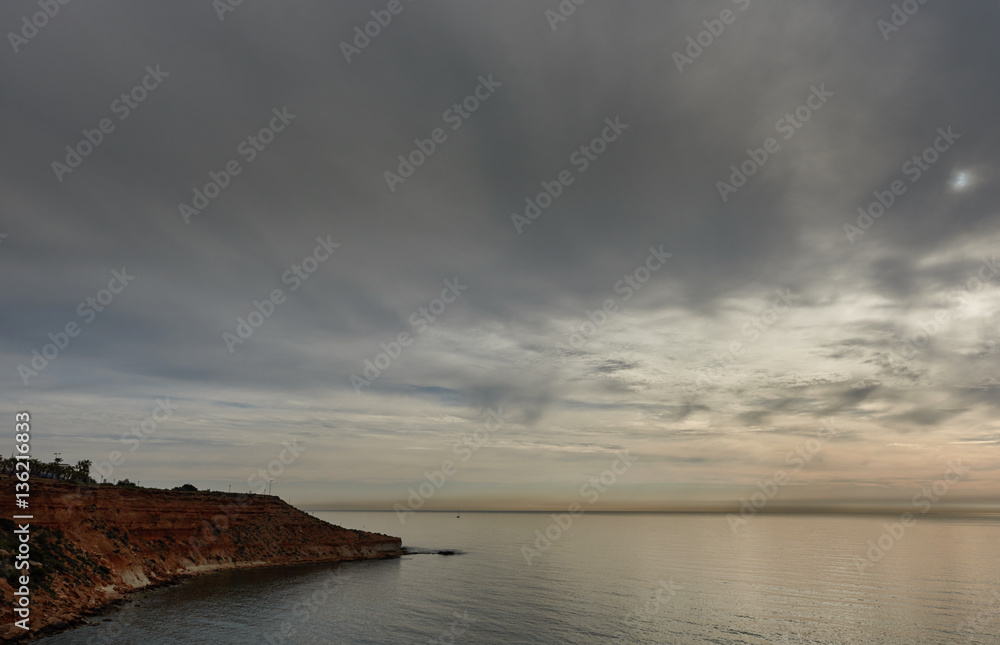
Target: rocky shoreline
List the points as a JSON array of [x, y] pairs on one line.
[[92, 546]]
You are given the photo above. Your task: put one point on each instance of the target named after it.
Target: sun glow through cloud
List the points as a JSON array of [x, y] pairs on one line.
[[961, 180], [848, 271]]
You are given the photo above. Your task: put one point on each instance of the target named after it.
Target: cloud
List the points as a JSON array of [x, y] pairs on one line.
[[639, 378]]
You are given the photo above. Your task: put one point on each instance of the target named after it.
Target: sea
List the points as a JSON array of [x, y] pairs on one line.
[[600, 578]]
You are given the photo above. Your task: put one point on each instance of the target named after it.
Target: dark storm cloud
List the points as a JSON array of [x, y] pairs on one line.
[[655, 184]]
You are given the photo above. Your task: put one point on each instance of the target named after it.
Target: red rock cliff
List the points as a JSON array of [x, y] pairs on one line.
[[92, 544]]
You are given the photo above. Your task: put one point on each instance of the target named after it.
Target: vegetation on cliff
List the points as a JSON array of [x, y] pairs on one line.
[[90, 545], [57, 470]]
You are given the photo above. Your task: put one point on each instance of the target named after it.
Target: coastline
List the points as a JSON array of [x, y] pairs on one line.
[[88, 615], [93, 547]]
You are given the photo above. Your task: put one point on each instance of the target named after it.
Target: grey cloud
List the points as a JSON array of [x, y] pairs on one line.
[[831, 352]]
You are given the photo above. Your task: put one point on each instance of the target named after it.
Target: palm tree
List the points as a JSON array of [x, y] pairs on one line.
[[83, 469]]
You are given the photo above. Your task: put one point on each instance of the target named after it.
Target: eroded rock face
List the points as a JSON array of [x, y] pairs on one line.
[[90, 545]]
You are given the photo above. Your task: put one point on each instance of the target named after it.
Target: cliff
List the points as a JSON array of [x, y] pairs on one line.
[[90, 545]]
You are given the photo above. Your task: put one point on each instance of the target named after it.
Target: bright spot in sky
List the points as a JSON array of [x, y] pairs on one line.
[[961, 180]]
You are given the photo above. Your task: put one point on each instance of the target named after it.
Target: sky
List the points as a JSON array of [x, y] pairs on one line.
[[508, 255]]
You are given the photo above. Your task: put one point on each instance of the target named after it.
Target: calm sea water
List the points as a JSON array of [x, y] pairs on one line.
[[610, 578]]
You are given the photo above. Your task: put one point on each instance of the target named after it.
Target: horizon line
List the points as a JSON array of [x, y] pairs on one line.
[[995, 511]]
